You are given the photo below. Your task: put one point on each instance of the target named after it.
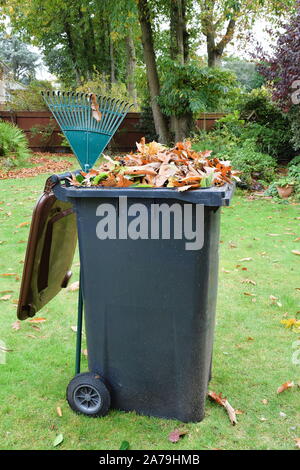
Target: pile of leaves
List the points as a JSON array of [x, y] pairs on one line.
[[43, 163], [156, 166]]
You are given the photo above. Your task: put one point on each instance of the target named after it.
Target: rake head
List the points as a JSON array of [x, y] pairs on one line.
[[88, 121]]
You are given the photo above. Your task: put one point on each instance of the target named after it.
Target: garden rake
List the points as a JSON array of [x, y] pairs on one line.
[[88, 121]]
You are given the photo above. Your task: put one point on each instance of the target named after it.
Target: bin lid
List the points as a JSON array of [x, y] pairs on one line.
[[50, 252]]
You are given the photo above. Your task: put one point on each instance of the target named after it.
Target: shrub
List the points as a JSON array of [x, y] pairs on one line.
[[255, 166], [267, 124], [13, 145], [101, 85], [295, 161], [29, 99]]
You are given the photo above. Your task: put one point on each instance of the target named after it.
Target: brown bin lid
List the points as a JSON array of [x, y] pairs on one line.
[[50, 252]]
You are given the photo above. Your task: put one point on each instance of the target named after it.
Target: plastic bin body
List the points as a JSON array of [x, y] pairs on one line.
[[149, 305]]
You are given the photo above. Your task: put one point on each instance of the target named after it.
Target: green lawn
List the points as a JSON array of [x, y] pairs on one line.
[[252, 354]]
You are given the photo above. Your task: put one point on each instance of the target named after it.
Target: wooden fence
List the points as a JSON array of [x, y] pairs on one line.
[[49, 140]]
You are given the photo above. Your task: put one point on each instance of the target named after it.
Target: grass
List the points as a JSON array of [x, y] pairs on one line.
[[252, 352]]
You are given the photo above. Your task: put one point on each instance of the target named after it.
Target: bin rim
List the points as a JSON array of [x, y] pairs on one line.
[[210, 196]]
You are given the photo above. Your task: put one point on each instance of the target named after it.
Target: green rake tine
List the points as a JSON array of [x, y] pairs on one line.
[[122, 111], [119, 115], [60, 100], [56, 112], [112, 116], [86, 108], [108, 102]]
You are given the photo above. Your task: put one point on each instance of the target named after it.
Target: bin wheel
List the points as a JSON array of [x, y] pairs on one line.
[[88, 395]]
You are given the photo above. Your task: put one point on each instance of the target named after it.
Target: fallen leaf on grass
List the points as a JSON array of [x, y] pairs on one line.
[[124, 445], [273, 234], [296, 252], [224, 402], [291, 323], [249, 293], [23, 224], [58, 411], [5, 297], [73, 287], [74, 328], [246, 259], [297, 440], [37, 320], [35, 327], [4, 349], [248, 281], [85, 352], [296, 239], [16, 325], [58, 440], [11, 275], [175, 435], [285, 386], [264, 401]]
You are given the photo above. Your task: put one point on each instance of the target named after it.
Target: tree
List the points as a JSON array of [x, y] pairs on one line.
[[160, 122], [222, 20], [282, 72], [19, 58]]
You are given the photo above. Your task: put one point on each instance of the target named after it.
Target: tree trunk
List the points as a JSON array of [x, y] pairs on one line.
[[215, 51], [183, 125], [71, 47], [179, 51], [112, 62], [179, 38], [130, 69], [151, 68]]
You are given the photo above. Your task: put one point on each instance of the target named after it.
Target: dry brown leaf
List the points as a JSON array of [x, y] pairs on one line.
[[85, 352], [296, 252], [285, 386], [297, 440], [175, 435], [96, 113], [37, 320], [58, 411], [73, 287], [23, 224], [5, 297], [16, 325], [224, 402], [248, 281]]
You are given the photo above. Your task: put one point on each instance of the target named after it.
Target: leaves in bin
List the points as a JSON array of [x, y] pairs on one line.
[[156, 166], [175, 435]]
